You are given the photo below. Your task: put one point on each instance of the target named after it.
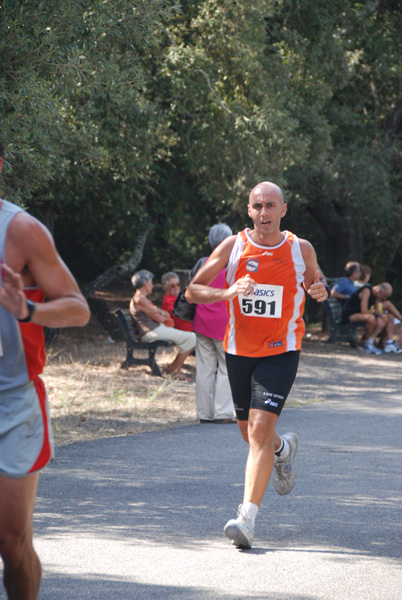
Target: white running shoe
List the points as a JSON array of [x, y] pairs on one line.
[[240, 530], [284, 473], [392, 348], [370, 348]]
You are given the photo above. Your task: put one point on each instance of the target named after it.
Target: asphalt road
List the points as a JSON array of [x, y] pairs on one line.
[[142, 516]]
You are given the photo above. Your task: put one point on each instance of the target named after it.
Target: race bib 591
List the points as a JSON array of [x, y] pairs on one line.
[[265, 301]]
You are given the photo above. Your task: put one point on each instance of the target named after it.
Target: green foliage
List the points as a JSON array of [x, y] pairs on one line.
[[117, 114], [83, 132], [344, 67]]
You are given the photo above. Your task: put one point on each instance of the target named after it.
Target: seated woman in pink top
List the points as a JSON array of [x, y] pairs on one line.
[[213, 394]]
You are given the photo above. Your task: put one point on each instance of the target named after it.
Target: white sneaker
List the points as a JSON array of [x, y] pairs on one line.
[[370, 348], [392, 348], [284, 473], [240, 530]]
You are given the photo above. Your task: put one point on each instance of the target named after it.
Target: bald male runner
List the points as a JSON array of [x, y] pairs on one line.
[[268, 272]]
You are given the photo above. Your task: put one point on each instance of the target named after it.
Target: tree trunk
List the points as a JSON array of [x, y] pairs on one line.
[[98, 307], [386, 249], [387, 245], [122, 270], [343, 237]]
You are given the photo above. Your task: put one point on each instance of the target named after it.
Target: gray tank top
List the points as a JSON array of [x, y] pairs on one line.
[[13, 368]]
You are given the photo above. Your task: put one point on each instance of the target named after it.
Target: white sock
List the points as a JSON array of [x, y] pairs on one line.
[[251, 511], [284, 452], [390, 341], [370, 340]]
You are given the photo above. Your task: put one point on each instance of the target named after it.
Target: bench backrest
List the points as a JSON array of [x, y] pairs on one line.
[[128, 325], [333, 310]]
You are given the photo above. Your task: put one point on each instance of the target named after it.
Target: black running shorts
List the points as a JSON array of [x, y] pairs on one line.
[[263, 383]]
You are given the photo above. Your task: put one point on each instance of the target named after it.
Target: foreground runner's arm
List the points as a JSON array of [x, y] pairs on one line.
[[199, 292], [32, 260]]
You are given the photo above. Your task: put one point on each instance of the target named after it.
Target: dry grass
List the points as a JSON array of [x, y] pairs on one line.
[[91, 396]]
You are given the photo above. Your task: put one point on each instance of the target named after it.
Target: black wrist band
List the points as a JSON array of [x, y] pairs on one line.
[[31, 309]]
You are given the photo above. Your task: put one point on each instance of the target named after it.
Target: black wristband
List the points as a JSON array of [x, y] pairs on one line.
[[31, 306]]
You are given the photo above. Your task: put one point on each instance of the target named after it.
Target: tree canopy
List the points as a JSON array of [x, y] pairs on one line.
[[121, 117]]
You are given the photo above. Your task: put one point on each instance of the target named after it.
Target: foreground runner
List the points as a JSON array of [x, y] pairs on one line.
[[30, 270], [268, 271]]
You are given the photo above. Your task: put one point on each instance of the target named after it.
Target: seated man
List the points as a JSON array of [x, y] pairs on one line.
[[345, 286], [171, 285], [357, 309]]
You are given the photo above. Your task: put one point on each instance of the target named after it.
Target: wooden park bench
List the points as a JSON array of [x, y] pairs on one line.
[[134, 345], [338, 331]]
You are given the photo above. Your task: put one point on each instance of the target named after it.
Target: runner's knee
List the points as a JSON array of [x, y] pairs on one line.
[[13, 545], [261, 430]]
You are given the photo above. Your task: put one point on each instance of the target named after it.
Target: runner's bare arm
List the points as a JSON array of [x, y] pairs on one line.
[[32, 260], [314, 281], [199, 292]]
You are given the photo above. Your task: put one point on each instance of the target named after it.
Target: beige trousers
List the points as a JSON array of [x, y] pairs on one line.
[[184, 339], [213, 394]]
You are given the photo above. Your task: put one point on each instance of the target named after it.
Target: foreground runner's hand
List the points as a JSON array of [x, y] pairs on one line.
[[12, 297], [245, 286], [317, 289]]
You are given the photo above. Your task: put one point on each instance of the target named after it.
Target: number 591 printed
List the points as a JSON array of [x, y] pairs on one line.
[[265, 301]]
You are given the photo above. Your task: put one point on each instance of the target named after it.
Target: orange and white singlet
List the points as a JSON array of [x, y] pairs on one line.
[[269, 321]]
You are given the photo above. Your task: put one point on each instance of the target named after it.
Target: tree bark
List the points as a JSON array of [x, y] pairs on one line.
[[98, 307], [343, 237], [122, 270]]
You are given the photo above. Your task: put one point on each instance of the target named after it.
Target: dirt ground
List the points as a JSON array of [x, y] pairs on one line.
[[91, 396]]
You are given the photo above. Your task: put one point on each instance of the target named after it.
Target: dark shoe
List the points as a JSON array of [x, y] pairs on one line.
[[203, 421], [225, 421]]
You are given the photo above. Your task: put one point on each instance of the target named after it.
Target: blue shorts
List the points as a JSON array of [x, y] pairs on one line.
[[26, 443], [263, 383]]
